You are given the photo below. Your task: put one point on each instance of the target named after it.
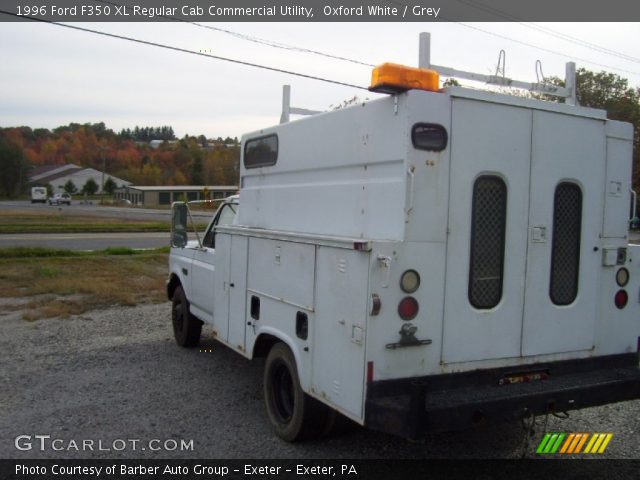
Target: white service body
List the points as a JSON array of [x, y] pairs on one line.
[[351, 204]]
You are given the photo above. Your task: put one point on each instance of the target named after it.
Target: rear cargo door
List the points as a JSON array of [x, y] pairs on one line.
[[567, 174], [487, 241]]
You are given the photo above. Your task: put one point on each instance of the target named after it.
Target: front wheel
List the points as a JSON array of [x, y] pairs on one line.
[[293, 414], [186, 327]]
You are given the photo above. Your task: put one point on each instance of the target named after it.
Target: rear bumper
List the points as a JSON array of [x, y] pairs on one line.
[[411, 407]]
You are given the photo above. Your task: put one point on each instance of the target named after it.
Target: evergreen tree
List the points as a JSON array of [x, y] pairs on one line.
[[70, 187], [109, 186], [13, 169], [90, 187]]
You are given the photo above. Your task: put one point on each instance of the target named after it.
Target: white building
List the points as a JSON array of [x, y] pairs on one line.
[[58, 175]]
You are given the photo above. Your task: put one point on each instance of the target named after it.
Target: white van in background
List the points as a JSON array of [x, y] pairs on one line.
[[39, 194]]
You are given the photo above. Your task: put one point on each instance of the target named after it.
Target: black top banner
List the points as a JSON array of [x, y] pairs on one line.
[[320, 10]]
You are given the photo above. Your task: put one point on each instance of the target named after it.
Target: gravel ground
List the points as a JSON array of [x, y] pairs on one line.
[[117, 374]]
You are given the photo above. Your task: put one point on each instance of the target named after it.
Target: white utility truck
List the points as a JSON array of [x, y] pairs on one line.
[[38, 195], [426, 261]]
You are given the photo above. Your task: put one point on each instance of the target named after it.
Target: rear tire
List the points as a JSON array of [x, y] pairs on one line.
[[294, 415], [186, 327]]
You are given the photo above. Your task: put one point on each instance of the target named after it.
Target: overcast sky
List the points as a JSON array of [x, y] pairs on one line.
[[51, 76]]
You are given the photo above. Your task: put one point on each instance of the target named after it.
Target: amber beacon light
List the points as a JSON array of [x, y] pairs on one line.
[[394, 78]]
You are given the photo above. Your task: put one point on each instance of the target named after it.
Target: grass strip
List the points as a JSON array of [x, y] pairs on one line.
[[46, 287], [25, 221]]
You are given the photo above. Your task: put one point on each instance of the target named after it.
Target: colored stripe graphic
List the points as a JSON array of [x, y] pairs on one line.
[[607, 439], [550, 443], [581, 442], [591, 443], [572, 443], [567, 442]]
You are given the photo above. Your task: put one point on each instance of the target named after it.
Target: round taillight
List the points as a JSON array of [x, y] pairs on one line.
[[622, 277], [410, 281], [408, 308], [621, 299]]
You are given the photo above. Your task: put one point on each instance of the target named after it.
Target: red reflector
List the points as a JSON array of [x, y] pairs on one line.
[[369, 372], [621, 299], [408, 308]]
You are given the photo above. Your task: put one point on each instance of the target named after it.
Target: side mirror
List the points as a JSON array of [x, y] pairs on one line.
[[179, 225]]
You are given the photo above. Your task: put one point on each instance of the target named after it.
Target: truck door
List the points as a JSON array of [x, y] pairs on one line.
[[205, 263], [566, 208], [487, 241]]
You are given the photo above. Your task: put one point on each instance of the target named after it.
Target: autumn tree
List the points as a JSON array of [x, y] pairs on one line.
[[193, 160]]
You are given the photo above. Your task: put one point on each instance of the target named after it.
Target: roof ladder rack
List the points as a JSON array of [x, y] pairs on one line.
[[568, 92]]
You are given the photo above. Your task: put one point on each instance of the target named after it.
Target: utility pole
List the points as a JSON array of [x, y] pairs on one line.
[[104, 167]]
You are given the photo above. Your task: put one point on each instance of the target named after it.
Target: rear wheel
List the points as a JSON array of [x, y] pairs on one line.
[[186, 327], [293, 414]]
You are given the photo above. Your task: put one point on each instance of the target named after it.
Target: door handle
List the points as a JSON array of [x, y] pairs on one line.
[[185, 271]]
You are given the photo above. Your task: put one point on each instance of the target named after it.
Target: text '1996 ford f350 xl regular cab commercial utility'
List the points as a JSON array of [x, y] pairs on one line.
[[426, 261]]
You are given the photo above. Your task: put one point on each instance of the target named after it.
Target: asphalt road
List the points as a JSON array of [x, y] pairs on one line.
[[94, 241], [95, 210], [117, 374], [86, 241]]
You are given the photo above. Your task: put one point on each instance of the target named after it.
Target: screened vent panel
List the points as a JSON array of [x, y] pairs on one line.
[[565, 253], [488, 219]]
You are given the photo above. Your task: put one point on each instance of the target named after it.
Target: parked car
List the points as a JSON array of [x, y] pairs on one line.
[[60, 199]]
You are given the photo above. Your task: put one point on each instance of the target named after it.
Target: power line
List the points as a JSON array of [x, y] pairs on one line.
[[510, 17], [549, 31], [258, 40], [548, 50], [184, 50], [584, 43]]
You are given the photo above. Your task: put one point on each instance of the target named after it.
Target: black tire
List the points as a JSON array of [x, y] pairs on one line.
[[294, 415], [186, 327]]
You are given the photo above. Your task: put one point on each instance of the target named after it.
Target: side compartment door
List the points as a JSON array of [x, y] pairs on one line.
[[238, 292], [488, 212], [565, 219], [221, 286], [339, 329]]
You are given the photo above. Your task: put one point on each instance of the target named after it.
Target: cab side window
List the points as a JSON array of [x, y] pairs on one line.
[[225, 216]]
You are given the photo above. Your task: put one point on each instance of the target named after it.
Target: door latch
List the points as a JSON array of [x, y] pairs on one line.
[[539, 234]]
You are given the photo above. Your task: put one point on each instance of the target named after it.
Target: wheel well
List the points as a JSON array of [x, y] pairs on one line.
[[263, 344], [172, 284]]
